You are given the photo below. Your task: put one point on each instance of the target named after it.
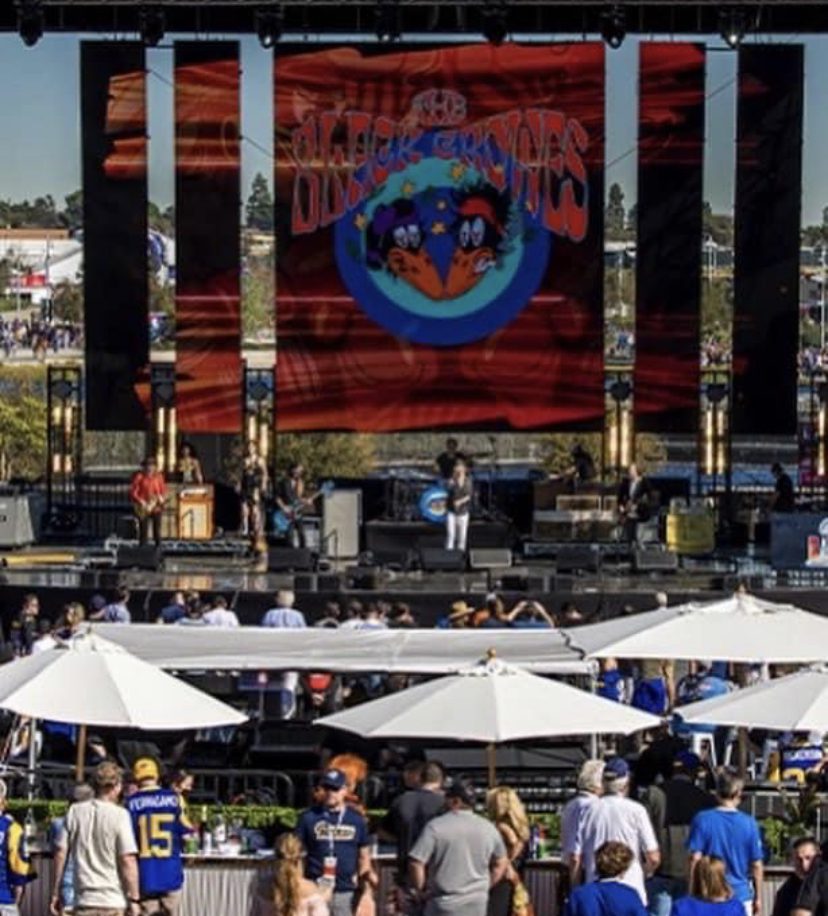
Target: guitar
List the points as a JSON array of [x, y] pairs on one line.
[[145, 510], [283, 520]]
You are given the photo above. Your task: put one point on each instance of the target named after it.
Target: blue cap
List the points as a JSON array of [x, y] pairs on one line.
[[688, 760], [616, 768], [333, 779]]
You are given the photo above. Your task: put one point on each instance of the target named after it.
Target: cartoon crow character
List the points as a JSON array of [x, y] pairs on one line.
[[394, 241], [479, 232]]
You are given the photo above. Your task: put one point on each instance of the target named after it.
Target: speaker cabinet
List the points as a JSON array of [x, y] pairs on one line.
[[341, 520], [438, 559], [146, 556], [289, 559]]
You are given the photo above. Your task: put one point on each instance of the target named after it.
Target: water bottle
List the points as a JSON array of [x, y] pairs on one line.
[[219, 832]]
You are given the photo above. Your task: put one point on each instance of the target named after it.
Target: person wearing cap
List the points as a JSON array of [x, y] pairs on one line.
[[457, 858], [672, 805], [14, 863], [617, 818], [590, 789], [148, 494], [336, 840], [458, 617], [160, 825], [727, 833], [100, 840]]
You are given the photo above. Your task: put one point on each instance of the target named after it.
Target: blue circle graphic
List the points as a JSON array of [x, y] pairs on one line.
[[431, 192]]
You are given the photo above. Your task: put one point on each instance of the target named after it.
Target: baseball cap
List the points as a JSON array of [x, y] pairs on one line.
[[616, 768], [461, 790], [333, 779], [688, 760], [145, 768]]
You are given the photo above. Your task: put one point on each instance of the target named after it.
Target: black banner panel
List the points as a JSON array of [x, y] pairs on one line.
[[114, 137], [668, 263], [766, 276]]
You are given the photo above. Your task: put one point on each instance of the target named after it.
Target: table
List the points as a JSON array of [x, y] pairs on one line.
[[227, 885]]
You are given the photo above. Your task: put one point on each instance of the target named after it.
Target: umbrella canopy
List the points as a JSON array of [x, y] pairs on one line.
[[742, 628], [798, 702], [92, 681], [491, 703]]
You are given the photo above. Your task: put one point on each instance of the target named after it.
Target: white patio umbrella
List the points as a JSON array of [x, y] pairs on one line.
[[491, 703], [742, 628], [797, 702], [91, 681]]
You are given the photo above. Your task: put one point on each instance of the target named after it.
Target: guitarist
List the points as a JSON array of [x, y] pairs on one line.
[[292, 498], [148, 493], [252, 488], [634, 502]]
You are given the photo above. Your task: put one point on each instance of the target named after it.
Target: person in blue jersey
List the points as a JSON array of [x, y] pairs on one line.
[[160, 825], [15, 871], [607, 894]]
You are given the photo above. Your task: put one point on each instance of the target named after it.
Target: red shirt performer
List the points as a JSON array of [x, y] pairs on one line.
[[148, 493]]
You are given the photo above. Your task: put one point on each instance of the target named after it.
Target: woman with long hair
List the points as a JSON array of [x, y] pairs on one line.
[[710, 894], [506, 812], [293, 894]]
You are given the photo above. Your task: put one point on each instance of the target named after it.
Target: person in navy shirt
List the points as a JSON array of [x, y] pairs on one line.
[[727, 833], [336, 840], [607, 894]]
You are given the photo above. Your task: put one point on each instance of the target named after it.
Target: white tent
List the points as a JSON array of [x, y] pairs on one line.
[[490, 702], [741, 628], [401, 651], [798, 702]]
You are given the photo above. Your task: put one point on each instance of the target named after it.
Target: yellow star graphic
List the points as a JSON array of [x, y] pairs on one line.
[[438, 228], [457, 171], [408, 188], [360, 221]]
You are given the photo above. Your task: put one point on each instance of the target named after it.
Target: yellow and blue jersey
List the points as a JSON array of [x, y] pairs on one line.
[[160, 825], [14, 863]]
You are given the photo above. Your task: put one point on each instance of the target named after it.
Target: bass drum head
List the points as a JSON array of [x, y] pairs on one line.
[[433, 505]]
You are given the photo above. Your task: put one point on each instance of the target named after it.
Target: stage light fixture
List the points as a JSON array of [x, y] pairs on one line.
[[732, 26], [495, 25], [152, 25], [269, 23], [30, 22], [614, 26], [387, 19]]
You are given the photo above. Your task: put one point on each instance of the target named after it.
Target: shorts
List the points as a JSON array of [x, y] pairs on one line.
[[168, 904]]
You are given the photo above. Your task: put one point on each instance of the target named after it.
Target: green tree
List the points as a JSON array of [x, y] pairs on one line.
[[326, 454], [259, 210], [67, 301], [162, 221], [614, 215], [22, 422], [72, 214]]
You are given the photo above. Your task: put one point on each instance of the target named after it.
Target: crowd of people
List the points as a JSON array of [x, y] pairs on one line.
[[39, 336]]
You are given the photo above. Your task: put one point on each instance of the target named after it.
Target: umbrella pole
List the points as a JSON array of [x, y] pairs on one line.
[[80, 757], [743, 752], [31, 768], [491, 764]]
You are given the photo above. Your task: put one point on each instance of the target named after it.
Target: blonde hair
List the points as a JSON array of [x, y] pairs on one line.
[[504, 807], [709, 881], [287, 878]]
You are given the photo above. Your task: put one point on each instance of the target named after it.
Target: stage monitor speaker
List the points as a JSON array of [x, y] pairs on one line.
[[143, 556], [364, 578], [488, 557], [289, 559], [341, 520], [648, 559], [396, 559], [438, 559], [579, 558]]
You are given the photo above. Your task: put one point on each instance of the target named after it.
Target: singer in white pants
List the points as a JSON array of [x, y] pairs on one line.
[[458, 505]]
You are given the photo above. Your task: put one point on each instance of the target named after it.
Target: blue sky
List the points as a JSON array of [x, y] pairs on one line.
[[39, 106]]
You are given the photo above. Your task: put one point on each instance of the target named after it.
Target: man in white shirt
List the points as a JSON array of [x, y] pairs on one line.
[[619, 819], [220, 615], [284, 615], [590, 789], [100, 838]]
